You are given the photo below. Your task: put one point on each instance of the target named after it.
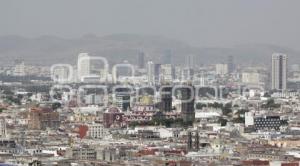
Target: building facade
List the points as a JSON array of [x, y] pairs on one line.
[[83, 66], [221, 69], [187, 103], [43, 118], [279, 71], [96, 131], [166, 99]]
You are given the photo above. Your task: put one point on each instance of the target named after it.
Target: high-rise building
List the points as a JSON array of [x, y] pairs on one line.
[[189, 61], [250, 77], [141, 60], [166, 73], [190, 141], [203, 79], [187, 74], [122, 98], [20, 68], [83, 66], [60, 74], [157, 71], [221, 69], [150, 72], [122, 101], [187, 103], [166, 99], [230, 64], [279, 71]]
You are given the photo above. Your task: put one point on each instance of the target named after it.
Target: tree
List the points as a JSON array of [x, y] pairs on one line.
[[56, 105], [271, 104], [223, 121], [227, 109], [200, 106], [238, 120]]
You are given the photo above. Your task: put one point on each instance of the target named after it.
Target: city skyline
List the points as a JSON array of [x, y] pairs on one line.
[[149, 83]]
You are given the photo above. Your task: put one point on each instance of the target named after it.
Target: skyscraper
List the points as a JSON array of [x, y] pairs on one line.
[[166, 99], [187, 103], [189, 61], [190, 141], [20, 68], [153, 73], [166, 73], [61, 74], [150, 72], [279, 71], [141, 60], [230, 64], [221, 69], [122, 98], [157, 71], [83, 66], [187, 74]]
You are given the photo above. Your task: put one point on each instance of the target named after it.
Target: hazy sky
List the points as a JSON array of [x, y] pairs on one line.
[[198, 22]]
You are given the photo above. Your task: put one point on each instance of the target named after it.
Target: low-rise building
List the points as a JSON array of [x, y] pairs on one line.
[[96, 131]]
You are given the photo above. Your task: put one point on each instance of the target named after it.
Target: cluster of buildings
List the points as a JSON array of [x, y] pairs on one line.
[[153, 114], [20, 69]]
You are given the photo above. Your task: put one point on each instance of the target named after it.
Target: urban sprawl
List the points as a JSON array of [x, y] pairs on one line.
[[150, 113]]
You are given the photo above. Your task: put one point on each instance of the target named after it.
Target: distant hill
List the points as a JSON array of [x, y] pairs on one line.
[[116, 48]]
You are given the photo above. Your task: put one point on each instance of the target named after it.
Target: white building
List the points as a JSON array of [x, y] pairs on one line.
[[201, 79], [251, 78], [150, 70], [61, 74], [20, 69], [166, 73], [122, 101], [104, 75], [92, 78], [221, 69], [190, 61], [133, 80], [83, 66], [279, 71], [249, 119], [96, 131], [187, 74]]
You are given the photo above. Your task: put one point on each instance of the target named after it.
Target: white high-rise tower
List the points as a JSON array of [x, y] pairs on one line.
[[150, 70], [279, 71], [83, 66]]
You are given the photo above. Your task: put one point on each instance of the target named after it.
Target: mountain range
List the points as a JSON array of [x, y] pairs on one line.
[[47, 50]]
